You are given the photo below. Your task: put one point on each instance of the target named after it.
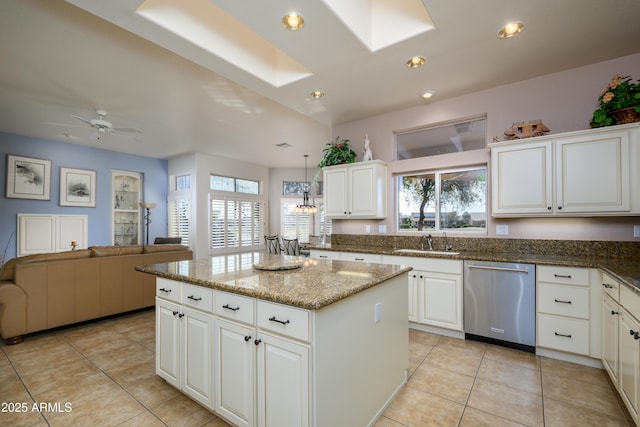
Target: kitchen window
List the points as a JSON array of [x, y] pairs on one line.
[[446, 200], [302, 224], [179, 208], [236, 215]]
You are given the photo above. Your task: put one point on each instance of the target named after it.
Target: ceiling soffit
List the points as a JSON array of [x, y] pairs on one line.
[[205, 25]]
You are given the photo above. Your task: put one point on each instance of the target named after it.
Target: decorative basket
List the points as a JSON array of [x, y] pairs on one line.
[[626, 115]]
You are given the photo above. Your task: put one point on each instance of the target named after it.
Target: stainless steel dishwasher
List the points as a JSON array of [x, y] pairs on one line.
[[500, 303]]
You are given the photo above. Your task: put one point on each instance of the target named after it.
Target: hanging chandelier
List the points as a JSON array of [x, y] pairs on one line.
[[305, 207]]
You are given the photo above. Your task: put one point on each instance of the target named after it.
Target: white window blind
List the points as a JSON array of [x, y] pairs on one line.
[[301, 225], [236, 223], [179, 219]]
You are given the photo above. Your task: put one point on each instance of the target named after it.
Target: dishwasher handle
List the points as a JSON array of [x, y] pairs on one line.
[[515, 270]]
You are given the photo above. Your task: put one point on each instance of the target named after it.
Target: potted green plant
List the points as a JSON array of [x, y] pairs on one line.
[[619, 103], [336, 153]]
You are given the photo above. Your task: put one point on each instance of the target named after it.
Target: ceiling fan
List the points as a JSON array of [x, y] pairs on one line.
[[100, 125]]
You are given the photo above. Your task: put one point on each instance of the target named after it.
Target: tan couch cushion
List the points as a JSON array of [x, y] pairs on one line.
[[150, 249], [7, 272], [97, 251]]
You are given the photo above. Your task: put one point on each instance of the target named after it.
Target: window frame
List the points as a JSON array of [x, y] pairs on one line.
[[438, 173]]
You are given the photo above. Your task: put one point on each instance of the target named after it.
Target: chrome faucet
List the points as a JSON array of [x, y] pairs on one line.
[[429, 240], [447, 246]]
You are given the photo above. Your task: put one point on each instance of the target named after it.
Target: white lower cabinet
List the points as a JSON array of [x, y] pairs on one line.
[[621, 341], [235, 362], [435, 290], [283, 382], [184, 349], [629, 353], [610, 326], [568, 310]]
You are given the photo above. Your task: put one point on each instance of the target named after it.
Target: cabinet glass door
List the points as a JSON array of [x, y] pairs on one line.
[[125, 229]]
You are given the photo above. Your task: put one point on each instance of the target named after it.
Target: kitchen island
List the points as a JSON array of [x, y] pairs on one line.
[[274, 340]]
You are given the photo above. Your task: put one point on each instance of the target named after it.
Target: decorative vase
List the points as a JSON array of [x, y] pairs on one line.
[[626, 115]]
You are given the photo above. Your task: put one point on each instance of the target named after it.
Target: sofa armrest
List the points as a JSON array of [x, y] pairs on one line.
[[13, 310]]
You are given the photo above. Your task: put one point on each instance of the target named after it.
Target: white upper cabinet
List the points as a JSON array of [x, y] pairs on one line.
[[356, 190], [585, 173]]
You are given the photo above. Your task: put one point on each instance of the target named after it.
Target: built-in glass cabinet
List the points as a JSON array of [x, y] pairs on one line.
[[125, 201]]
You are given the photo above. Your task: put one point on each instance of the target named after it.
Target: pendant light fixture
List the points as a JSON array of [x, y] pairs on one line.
[[305, 207]]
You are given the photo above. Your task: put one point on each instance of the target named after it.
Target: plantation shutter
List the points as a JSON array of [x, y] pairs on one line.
[[180, 219]]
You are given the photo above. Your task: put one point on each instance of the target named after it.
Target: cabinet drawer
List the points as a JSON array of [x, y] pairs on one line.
[[563, 333], [285, 320], [563, 275], [168, 289], [236, 307], [352, 256], [563, 300], [611, 286], [630, 300], [199, 297]]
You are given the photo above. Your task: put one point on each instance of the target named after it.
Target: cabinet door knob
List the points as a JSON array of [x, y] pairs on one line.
[[257, 342], [607, 286], [548, 208], [613, 313], [181, 315], [559, 208], [247, 338], [175, 312]]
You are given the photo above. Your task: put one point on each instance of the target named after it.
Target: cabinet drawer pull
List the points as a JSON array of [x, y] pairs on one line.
[[323, 256], [228, 307], [359, 259], [562, 335], [561, 301], [562, 276], [165, 290], [247, 338], [608, 286], [194, 298], [282, 322]]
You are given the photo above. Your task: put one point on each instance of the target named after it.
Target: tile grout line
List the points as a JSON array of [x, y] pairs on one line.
[[23, 383], [86, 357]]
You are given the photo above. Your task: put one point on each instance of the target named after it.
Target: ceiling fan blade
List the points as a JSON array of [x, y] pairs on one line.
[[82, 119], [65, 125], [127, 130]]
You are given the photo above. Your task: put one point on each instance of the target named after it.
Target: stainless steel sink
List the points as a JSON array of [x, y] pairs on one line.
[[426, 252]]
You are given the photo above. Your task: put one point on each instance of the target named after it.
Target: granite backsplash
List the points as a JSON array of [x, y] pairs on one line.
[[572, 248]]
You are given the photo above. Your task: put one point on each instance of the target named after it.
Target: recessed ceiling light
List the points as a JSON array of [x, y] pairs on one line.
[[416, 61], [317, 94], [293, 21], [510, 30], [426, 94]]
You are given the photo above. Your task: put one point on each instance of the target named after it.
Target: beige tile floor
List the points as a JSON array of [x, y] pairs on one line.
[[104, 372]]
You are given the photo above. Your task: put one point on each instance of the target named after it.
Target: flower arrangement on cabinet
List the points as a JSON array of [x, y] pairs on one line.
[[619, 102], [336, 153]]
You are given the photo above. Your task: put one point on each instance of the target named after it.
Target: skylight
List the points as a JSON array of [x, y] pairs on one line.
[[382, 23]]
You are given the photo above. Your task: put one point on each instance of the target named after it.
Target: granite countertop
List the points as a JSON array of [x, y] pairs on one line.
[[625, 270], [316, 284]]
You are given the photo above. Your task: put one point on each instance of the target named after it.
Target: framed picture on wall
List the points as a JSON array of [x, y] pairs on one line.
[[77, 187], [28, 178]]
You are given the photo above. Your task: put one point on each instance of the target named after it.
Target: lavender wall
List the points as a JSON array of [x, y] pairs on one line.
[[81, 157], [564, 101]]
